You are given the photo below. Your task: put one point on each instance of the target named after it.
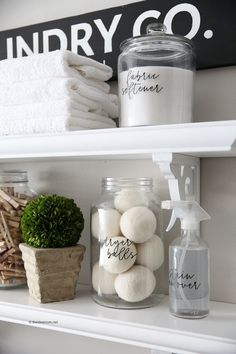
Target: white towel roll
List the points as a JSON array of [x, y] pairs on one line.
[[59, 63], [45, 90], [59, 124], [54, 108], [43, 110]]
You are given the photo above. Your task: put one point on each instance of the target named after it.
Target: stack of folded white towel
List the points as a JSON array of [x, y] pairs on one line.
[[55, 92]]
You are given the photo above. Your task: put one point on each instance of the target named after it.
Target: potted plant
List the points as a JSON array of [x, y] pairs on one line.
[[51, 227]]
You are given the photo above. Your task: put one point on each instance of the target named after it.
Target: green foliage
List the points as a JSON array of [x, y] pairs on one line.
[[52, 221]]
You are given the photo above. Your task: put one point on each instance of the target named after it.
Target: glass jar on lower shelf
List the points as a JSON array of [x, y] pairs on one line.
[[126, 246], [14, 196]]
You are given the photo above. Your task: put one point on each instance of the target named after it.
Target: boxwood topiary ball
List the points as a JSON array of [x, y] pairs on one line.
[[52, 221]]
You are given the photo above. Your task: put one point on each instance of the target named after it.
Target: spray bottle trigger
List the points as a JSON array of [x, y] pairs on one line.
[[172, 221]]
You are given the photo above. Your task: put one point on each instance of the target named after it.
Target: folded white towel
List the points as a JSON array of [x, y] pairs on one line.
[[45, 90], [58, 63], [74, 122], [43, 110], [100, 85], [57, 124]]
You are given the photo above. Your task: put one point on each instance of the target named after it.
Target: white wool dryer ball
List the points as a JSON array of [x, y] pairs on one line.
[[138, 224], [150, 254], [136, 284], [103, 281], [128, 198], [117, 254], [105, 223]]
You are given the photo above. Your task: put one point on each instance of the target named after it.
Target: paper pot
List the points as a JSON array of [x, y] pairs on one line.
[[52, 273]]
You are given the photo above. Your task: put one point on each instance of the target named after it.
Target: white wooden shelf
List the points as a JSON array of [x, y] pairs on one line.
[[151, 328], [197, 139]]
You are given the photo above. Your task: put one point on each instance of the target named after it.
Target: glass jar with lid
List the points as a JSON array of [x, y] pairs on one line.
[[126, 245], [14, 196], [155, 78]]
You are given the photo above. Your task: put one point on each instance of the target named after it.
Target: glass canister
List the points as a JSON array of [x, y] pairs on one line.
[[155, 78], [126, 246], [14, 196]]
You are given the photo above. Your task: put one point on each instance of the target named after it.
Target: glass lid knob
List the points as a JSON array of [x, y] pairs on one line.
[[156, 28]]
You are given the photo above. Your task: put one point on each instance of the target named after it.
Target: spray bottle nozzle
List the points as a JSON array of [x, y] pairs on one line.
[[190, 213]]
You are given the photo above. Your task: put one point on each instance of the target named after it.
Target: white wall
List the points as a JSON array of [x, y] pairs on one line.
[[218, 195], [15, 13], [215, 92]]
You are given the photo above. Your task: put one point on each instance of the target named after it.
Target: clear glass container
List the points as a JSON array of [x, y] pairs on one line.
[[14, 196], [189, 276], [126, 245], [155, 78]]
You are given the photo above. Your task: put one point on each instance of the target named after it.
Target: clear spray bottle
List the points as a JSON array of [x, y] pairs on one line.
[[188, 262]]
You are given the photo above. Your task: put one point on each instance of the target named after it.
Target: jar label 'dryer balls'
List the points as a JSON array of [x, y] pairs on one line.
[[118, 254], [152, 95]]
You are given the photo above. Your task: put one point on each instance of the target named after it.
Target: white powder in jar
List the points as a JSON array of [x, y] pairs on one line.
[[152, 95]]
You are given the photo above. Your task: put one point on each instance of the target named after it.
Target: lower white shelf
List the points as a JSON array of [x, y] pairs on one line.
[[151, 328], [196, 139]]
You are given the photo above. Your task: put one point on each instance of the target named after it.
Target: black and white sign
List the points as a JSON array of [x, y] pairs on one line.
[[210, 24]]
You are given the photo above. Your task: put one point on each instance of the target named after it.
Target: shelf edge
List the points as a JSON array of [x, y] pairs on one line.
[[116, 331]]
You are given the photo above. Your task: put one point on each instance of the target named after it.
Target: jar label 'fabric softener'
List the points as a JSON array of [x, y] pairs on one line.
[[152, 95]]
